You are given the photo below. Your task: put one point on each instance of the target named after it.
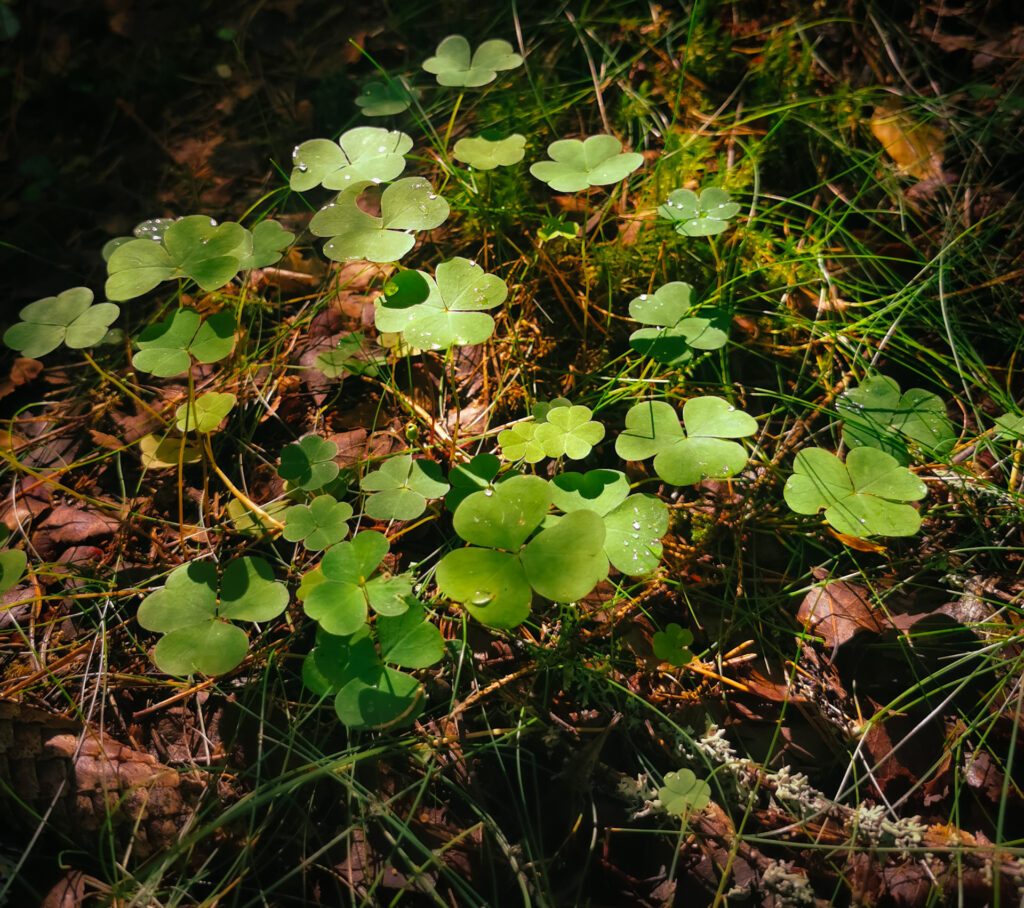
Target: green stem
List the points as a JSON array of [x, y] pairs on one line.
[[451, 125]]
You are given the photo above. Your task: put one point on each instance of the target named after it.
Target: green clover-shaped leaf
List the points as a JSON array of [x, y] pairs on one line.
[[166, 348], [877, 415], [1010, 426], [406, 205], [684, 793], [339, 602], [487, 154], [520, 442], [599, 491], [269, 240], [703, 215], [575, 165], [452, 64], [335, 660], [194, 609], [309, 464], [671, 645], [402, 486], [566, 561], [504, 516], [319, 524], [633, 533], [380, 698], [151, 229], [12, 565], [494, 578], [652, 428], [68, 318], [470, 477], [205, 413], [162, 452], [194, 247], [863, 497], [437, 313], [381, 99], [679, 336], [363, 153], [409, 640], [349, 357], [569, 431], [368, 694]]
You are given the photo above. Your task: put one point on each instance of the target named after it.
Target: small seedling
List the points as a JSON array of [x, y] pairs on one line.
[[494, 578], [679, 335], [702, 452], [520, 442], [877, 415], [440, 312], [341, 590], [576, 165], [453, 66], [406, 205], [205, 413], [671, 645], [309, 464], [382, 99], [487, 154], [361, 154], [684, 793], [68, 318], [704, 215], [863, 497], [319, 524], [402, 486], [195, 608], [569, 432], [166, 349]]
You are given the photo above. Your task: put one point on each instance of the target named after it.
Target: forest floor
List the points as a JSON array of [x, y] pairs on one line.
[[783, 709]]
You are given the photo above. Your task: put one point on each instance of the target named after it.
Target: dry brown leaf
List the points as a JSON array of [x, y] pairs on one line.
[[914, 145], [69, 524]]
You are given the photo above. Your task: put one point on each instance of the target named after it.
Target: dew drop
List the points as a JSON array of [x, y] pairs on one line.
[[302, 168], [863, 520], [382, 149], [636, 524], [642, 296], [732, 409], [213, 223], [481, 597], [348, 176], [431, 196], [295, 151], [488, 492], [375, 181]]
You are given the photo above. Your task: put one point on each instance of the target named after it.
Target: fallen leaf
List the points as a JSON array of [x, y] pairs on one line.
[[837, 610], [67, 524], [914, 145]]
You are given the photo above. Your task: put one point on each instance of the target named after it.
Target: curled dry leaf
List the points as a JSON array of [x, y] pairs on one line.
[[837, 610], [915, 146]]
